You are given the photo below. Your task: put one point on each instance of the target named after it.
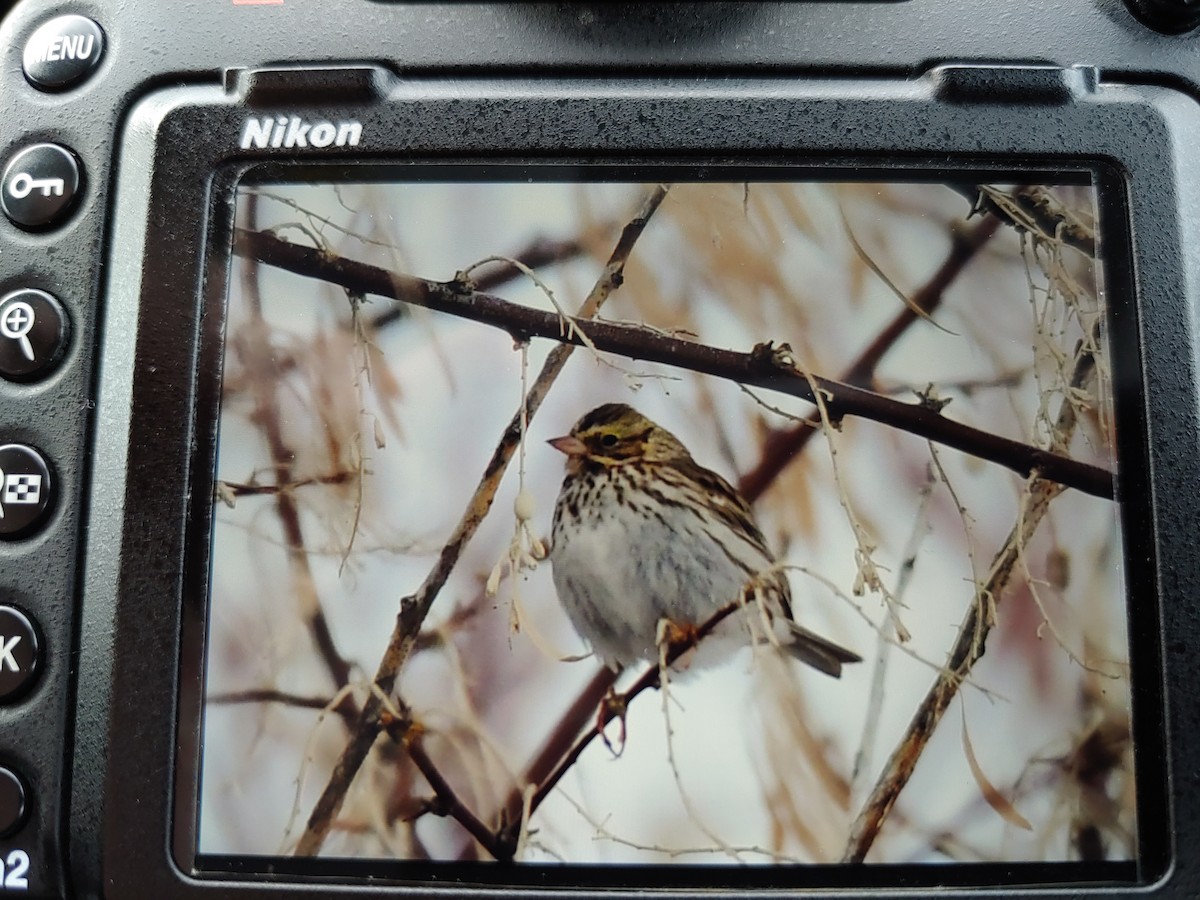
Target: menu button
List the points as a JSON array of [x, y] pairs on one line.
[[63, 52]]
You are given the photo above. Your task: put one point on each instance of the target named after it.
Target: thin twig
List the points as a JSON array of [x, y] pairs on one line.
[[229, 490], [887, 637], [861, 252], [268, 695]]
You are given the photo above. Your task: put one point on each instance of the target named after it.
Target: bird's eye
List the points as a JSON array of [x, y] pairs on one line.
[[609, 440]]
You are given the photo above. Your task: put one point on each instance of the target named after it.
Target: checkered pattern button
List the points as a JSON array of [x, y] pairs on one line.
[[25, 491]]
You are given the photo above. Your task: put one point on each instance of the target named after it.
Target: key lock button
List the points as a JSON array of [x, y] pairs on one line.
[[39, 186]]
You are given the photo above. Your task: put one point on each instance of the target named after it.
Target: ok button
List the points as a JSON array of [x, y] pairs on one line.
[[20, 654]]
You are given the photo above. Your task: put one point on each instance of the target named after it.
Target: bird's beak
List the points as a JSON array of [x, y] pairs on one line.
[[572, 446]]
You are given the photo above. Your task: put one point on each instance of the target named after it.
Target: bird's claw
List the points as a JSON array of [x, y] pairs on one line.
[[613, 705], [677, 636]]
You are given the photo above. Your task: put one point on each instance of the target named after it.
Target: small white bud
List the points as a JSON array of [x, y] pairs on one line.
[[524, 506]]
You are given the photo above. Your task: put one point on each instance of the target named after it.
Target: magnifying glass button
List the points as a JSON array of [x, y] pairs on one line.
[[33, 334]]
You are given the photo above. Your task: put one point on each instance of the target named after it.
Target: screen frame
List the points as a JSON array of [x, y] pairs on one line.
[[152, 378]]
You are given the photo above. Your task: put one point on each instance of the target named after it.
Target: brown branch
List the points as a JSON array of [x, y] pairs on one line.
[[268, 417], [541, 252], [251, 489], [1032, 208], [969, 646], [415, 607], [509, 832], [346, 709], [410, 736], [782, 446], [765, 367], [267, 695]]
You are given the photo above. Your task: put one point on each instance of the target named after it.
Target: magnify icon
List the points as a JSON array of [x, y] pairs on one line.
[[16, 323]]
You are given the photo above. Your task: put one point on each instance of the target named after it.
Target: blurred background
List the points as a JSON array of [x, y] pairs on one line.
[[381, 419]]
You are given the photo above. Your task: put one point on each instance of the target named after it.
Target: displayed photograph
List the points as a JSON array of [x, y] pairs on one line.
[[563, 517]]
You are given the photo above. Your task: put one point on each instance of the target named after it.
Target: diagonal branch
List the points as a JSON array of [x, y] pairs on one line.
[[410, 735], [414, 608], [511, 820], [766, 366], [970, 645], [783, 446]]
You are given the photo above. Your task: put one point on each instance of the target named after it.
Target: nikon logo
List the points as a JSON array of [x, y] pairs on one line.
[[292, 131]]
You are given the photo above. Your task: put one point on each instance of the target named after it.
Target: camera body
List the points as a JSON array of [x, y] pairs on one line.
[[129, 128]]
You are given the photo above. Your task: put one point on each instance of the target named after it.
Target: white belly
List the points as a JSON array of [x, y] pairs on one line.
[[617, 576]]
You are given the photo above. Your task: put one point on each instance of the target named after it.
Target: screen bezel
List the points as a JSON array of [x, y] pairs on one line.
[[199, 562], [175, 264]]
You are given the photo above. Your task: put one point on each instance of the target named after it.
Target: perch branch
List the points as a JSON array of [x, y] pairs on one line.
[[508, 834], [765, 367]]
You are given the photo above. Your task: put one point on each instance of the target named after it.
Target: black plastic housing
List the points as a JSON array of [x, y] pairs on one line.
[[106, 740]]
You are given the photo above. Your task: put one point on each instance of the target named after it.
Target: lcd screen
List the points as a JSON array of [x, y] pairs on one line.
[[738, 520]]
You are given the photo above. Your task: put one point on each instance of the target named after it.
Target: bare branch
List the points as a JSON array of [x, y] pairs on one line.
[[267, 695], [969, 646], [414, 608], [783, 446], [1035, 209], [229, 490], [410, 736], [540, 253], [766, 366]]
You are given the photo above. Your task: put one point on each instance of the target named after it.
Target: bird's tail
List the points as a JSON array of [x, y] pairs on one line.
[[816, 651]]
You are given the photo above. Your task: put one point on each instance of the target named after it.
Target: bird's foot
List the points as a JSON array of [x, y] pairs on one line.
[[676, 638], [613, 706]]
